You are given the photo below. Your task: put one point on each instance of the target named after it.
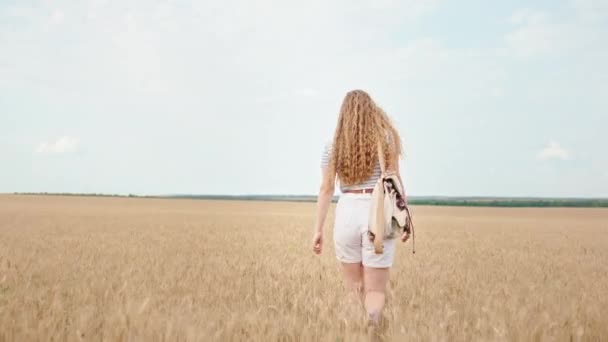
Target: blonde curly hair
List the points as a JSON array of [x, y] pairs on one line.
[[361, 124]]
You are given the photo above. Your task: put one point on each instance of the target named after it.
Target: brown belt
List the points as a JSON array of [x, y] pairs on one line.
[[358, 191]]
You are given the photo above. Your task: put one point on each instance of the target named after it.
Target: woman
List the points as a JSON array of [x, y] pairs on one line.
[[352, 158]]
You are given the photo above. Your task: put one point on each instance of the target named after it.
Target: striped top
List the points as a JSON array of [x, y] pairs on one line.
[[368, 184]]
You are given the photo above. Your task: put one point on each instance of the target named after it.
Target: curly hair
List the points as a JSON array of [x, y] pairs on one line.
[[361, 124]]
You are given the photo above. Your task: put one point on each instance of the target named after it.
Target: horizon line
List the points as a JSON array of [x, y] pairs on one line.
[[299, 195]]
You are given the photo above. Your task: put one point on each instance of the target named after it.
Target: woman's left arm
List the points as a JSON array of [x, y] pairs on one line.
[[395, 167]]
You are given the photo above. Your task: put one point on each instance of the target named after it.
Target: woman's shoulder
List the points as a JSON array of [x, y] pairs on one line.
[[392, 137], [388, 134], [327, 147], [328, 144]]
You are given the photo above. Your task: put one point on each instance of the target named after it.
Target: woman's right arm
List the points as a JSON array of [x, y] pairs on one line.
[[326, 193]]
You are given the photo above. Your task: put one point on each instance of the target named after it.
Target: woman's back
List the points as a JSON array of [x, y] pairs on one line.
[[367, 184]]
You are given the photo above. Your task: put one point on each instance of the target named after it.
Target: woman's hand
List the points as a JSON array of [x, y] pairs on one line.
[[317, 242], [405, 236]]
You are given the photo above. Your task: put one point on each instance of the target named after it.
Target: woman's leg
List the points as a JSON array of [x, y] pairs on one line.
[[347, 239], [374, 282], [350, 308], [353, 279]]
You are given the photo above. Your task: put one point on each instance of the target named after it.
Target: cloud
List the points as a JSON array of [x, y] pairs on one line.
[[553, 151], [306, 92], [158, 48], [57, 16], [591, 10], [535, 34], [60, 146], [538, 33]]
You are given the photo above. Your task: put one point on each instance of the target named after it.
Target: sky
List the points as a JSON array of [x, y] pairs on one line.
[[491, 98]]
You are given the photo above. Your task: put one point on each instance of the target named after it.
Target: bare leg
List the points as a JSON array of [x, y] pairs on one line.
[[353, 277], [353, 282], [375, 280]]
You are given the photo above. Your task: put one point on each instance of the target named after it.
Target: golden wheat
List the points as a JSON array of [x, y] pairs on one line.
[[75, 268]]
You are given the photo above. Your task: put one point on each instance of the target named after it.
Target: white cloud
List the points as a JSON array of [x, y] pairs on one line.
[[539, 33], [150, 48], [57, 16], [553, 150], [306, 92], [496, 91], [527, 15], [591, 10], [536, 34], [60, 146]]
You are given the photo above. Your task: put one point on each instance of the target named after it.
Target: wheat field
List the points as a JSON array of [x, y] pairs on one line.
[[118, 269]]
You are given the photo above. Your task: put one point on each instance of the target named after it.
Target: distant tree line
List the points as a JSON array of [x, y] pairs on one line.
[[442, 201], [438, 201], [575, 203], [87, 194]]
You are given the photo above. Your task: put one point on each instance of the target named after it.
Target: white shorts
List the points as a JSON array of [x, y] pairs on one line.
[[350, 233]]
